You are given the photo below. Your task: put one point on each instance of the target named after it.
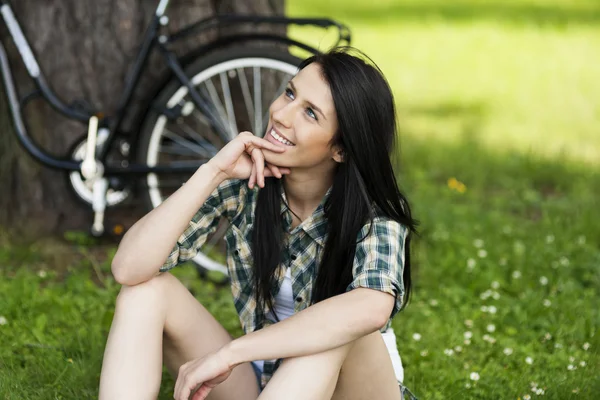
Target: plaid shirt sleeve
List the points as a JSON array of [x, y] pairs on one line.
[[379, 259], [225, 200]]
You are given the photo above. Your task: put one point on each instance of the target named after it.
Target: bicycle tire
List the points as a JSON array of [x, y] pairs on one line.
[[226, 61]]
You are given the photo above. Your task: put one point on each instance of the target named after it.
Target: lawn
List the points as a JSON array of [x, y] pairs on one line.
[[499, 108]]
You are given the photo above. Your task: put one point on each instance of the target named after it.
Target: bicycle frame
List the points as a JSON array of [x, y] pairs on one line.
[[154, 37]]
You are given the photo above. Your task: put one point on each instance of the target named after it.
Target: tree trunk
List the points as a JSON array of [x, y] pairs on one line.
[[84, 49]]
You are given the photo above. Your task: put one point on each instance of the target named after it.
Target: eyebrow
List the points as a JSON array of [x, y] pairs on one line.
[[309, 103]]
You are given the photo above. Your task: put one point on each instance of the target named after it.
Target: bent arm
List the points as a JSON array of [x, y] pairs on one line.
[[326, 325], [147, 244]]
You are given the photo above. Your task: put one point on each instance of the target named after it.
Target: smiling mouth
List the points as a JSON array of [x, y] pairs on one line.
[[280, 138]]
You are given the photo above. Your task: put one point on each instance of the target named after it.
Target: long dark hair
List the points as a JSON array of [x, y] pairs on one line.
[[366, 134]]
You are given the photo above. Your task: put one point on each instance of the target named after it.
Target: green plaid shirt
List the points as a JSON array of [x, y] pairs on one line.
[[378, 261]]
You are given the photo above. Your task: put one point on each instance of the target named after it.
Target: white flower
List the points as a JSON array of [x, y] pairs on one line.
[[585, 346], [526, 397], [581, 240], [42, 273], [458, 349], [468, 385], [495, 285], [474, 376], [468, 335], [508, 351], [547, 303], [516, 274], [502, 261], [424, 353], [484, 309], [491, 328], [485, 295], [492, 309], [583, 364], [471, 263], [489, 339], [571, 367], [433, 302], [482, 253], [529, 360], [543, 281], [564, 261], [558, 346], [416, 336], [478, 243], [469, 324], [547, 336], [3, 320], [449, 352], [495, 295], [539, 392], [550, 239], [571, 359], [467, 342]]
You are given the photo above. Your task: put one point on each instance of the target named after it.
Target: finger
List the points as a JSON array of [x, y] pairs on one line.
[[265, 144], [252, 179], [274, 170], [259, 161], [201, 393]]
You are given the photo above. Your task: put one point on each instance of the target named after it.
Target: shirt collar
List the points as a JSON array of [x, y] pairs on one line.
[[314, 226]]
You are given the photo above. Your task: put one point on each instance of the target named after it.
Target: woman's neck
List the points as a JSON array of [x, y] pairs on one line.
[[304, 192]]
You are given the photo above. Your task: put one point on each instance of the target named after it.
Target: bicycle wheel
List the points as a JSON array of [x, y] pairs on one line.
[[239, 85]]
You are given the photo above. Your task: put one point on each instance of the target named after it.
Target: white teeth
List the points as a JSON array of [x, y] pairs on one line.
[[280, 139]]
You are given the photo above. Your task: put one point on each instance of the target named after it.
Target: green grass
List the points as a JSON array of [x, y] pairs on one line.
[[502, 96]]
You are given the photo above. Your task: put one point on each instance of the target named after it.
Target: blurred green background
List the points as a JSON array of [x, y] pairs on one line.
[[499, 113]]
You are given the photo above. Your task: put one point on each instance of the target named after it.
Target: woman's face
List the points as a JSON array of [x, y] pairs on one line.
[[303, 119]]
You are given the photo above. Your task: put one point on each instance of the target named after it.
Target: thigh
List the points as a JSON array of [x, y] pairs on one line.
[[361, 370], [367, 372], [191, 332]]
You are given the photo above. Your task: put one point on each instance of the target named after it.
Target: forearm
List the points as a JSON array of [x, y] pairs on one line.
[[326, 325], [146, 245]]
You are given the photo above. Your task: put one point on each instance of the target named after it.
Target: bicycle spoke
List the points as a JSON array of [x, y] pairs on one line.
[[177, 150], [257, 103], [214, 96], [217, 140], [199, 139], [186, 143], [228, 104], [246, 93]]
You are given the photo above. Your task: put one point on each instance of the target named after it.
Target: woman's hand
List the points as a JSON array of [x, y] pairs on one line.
[[202, 375], [242, 158]]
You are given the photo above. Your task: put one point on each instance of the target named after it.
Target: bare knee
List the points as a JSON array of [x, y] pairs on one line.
[[151, 291]]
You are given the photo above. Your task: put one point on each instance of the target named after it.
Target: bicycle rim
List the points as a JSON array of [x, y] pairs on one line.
[[240, 90]]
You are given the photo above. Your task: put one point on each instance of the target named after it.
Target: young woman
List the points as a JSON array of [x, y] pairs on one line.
[[318, 255]]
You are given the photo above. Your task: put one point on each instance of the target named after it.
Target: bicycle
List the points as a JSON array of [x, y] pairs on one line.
[[193, 114]]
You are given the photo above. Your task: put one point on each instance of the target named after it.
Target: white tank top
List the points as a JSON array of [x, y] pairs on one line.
[[284, 307]]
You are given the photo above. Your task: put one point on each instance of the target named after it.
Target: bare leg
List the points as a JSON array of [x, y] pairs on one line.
[[361, 370], [159, 317]]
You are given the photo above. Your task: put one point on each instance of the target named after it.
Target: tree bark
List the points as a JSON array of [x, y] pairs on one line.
[[84, 49]]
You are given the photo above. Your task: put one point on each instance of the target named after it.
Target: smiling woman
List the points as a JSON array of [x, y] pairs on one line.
[[318, 254]]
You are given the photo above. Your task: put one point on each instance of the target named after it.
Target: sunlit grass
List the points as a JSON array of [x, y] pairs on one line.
[[511, 82]]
